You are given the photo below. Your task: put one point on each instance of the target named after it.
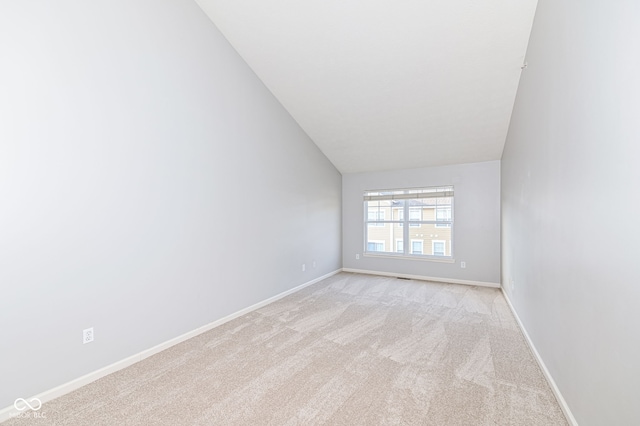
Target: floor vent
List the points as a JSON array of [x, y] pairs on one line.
[[403, 278]]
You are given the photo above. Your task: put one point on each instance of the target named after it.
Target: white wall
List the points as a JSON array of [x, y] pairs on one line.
[[149, 184], [570, 206], [476, 227]]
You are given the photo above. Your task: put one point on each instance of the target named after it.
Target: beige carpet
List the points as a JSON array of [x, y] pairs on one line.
[[350, 350]]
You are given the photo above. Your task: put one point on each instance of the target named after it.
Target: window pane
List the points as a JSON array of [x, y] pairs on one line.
[[379, 210], [384, 238]]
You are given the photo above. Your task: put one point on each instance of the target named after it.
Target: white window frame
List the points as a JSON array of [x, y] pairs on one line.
[[403, 200], [401, 241]]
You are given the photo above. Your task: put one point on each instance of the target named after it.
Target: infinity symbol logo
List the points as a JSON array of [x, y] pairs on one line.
[[37, 404]]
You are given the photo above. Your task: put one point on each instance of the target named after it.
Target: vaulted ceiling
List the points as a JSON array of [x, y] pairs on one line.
[[384, 85]]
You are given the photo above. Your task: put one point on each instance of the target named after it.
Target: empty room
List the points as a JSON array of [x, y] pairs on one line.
[[218, 212]]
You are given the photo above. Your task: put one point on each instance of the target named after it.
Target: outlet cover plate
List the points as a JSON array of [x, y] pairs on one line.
[[87, 335]]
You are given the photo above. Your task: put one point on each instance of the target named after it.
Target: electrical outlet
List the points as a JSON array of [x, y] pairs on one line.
[[314, 264], [304, 267], [357, 256], [463, 265], [87, 335], [512, 284]]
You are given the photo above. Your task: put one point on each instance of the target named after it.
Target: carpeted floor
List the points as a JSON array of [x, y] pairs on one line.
[[350, 350]]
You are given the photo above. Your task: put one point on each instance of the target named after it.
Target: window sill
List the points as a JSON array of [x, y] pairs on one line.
[[438, 259]]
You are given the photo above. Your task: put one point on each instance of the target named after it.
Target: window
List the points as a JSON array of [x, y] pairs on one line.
[[381, 230], [438, 247], [420, 222], [443, 214]]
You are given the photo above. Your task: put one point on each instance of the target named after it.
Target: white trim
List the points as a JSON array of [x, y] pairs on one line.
[[563, 404], [424, 278], [48, 395], [403, 256]]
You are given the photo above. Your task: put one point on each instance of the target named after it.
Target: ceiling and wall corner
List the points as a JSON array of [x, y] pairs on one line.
[[382, 85]]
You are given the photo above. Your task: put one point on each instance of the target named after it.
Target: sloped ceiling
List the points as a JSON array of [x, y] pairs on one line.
[[384, 85]]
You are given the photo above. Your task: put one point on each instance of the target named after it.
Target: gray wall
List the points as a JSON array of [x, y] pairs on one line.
[[476, 226], [149, 184], [570, 207]]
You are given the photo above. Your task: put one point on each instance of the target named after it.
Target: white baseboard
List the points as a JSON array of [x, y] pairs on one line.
[[424, 278], [9, 412], [563, 404]]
